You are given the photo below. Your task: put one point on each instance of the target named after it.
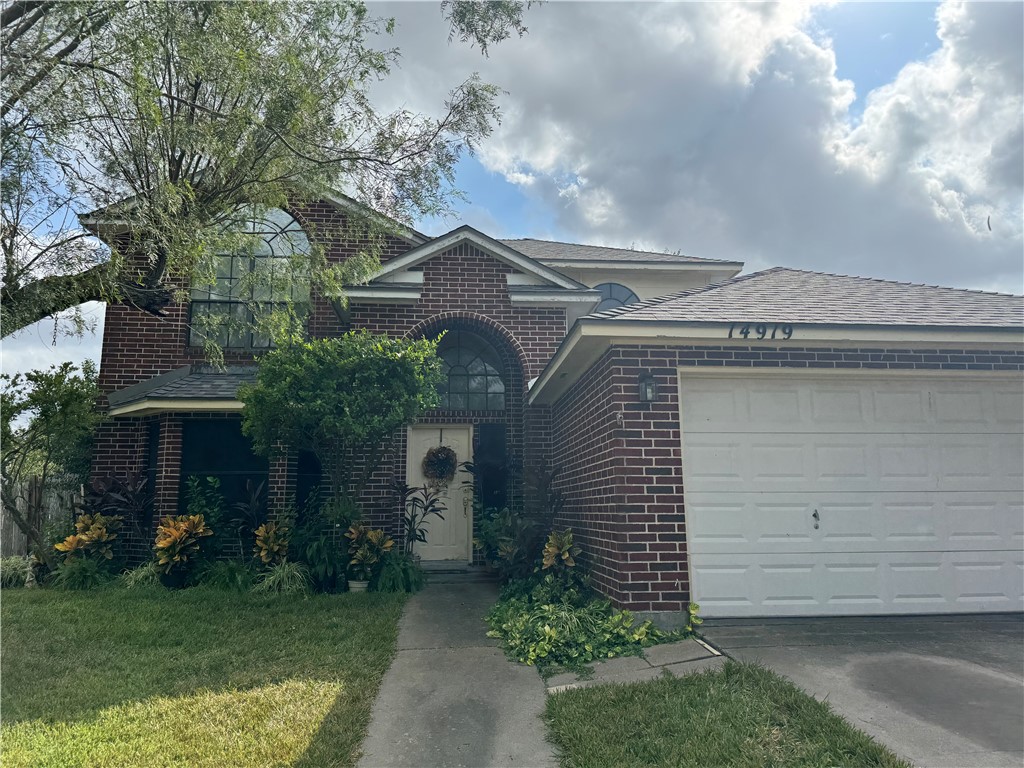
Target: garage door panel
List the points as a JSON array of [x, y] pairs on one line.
[[901, 406], [857, 583], [853, 462], [749, 523]]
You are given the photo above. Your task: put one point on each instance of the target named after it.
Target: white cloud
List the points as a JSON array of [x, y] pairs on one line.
[[722, 130], [34, 347]]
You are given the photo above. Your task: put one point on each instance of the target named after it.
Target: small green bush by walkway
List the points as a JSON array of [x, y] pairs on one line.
[[742, 716], [198, 677]]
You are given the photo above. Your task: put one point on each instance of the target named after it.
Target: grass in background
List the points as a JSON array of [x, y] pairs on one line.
[[197, 677], [742, 715]]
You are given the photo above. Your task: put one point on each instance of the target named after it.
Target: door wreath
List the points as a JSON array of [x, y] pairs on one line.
[[439, 465]]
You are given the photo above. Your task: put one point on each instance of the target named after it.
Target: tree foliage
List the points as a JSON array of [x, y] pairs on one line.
[[342, 398], [170, 118], [48, 419]]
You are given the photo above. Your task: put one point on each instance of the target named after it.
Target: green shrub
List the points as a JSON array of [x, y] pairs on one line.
[[399, 573], [326, 562], [285, 578], [569, 635], [144, 576], [80, 573], [14, 571], [226, 575]]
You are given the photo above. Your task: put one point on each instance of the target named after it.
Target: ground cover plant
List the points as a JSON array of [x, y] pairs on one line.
[[742, 716], [553, 620], [198, 677]]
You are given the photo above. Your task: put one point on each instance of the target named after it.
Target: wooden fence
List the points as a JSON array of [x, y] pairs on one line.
[[51, 506]]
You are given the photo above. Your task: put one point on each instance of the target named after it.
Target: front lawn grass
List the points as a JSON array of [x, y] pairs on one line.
[[742, 715], [196, 677]]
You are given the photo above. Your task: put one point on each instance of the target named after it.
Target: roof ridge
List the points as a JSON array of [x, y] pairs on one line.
[[891, 282]]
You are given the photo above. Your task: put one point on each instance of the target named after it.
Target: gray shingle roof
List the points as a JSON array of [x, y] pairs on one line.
[[192, 382], [782, 295], [550, 250]]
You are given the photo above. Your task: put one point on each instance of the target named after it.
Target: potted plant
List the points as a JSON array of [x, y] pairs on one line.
[[367, 548], [177, 542], [418, 505]]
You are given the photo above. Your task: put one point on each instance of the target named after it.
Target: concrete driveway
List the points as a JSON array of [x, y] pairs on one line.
[[938, 691]]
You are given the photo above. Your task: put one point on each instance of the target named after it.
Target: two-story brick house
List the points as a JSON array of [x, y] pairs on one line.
[[783, 443]]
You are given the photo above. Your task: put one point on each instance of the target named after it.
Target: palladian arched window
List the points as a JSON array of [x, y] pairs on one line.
[[263, 275], [473, 373], [614, 295]]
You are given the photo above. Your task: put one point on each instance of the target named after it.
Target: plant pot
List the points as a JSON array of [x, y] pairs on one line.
[[174, 579], [357, 586]]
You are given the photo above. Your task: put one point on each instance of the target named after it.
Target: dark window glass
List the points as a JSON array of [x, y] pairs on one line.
[[473, 373], [614, 295], [491, 460], [217, 448]]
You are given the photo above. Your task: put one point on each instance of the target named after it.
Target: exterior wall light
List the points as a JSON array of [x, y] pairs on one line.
[[648, 388]]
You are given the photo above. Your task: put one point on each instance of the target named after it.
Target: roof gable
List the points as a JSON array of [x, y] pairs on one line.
[[499, 250]]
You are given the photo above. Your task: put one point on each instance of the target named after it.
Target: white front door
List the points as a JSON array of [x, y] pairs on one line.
[[451, 538], [865, 494]]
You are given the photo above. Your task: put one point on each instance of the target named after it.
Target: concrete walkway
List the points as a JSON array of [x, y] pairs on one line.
[[451, 698]]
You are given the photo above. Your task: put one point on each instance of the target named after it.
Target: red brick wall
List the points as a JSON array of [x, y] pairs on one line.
[[623, 479], [461, 288]]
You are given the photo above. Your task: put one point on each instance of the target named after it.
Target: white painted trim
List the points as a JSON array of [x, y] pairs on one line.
[[148, 406], [384, 294], [730, 267], [483, 242], [404, 278], [555, 297], [803, 334]]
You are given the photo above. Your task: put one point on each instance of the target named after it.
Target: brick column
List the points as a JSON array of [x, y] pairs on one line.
[[168, 467], [281, 482]]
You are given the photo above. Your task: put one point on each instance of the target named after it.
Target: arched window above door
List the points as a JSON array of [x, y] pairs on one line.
[[474, 378]]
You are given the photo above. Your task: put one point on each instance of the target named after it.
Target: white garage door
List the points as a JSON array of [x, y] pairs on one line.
[[853, 495]]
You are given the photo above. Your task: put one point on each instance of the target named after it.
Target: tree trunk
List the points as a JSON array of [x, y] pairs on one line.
[[23, 305]]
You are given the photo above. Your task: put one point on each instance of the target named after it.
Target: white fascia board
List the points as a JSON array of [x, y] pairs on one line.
[[554, 297], [589, 339], [147, 406], [803, 334], [391, 294], [498, 250], [726, 267]]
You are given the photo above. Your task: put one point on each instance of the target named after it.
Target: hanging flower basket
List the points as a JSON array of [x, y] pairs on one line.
[[439, 465]]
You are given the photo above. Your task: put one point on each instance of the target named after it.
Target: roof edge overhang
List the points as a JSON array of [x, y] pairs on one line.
[[149, 406], [730, 267], [589, 339], [485, 243]]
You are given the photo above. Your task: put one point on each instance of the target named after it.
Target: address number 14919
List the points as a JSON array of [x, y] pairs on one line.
[[761, 331]]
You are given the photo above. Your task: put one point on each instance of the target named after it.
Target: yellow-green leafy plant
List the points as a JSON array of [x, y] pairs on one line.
[[94, 536], [177, 541], [367, 548], [560, 552], [272, 543]]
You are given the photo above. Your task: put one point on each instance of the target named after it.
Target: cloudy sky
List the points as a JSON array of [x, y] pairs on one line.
[[878, 139]]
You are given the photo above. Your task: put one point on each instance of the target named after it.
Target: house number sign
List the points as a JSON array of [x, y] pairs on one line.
[[761, 331]]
